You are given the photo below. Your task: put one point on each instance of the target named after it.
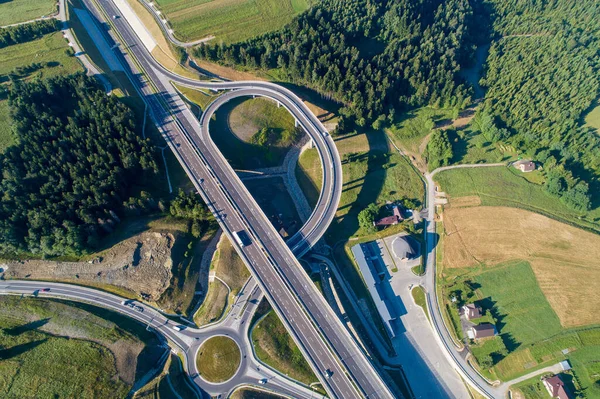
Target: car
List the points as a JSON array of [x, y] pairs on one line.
[[263, 381], [177, 328], [328, 373], [201, 181], [115, 16], [45, 289], [139, 308]]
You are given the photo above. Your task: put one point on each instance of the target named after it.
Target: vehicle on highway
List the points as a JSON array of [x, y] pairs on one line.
[[263, 381], [45, 289], [328, 373], [178, 328], [242, 238], [138, 308]]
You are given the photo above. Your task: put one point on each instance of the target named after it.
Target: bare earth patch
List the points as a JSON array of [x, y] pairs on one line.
[[141, 264], [565, 260]]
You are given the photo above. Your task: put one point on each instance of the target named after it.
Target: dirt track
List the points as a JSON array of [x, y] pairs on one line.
[[141, 264]]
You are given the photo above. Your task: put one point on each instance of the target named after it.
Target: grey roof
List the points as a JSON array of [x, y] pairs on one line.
[[404, 247]]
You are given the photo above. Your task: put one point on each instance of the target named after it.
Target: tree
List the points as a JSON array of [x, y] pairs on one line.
[[439, 150], [366, 218]]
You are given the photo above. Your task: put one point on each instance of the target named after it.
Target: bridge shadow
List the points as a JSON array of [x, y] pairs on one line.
[[33, 325], [9, 353]]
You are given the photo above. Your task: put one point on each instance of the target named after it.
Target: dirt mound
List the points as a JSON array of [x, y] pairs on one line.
[[141, 264]]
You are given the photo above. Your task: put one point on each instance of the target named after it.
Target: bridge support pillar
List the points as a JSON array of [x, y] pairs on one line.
[[278, 104], [295, 122]]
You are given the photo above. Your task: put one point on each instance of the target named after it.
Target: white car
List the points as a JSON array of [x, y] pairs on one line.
[[263, 381]]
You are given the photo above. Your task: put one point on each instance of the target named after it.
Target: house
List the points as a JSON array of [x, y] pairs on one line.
[[556, 387], [471, 311], [525, 165], [395, 218], [482, 331]]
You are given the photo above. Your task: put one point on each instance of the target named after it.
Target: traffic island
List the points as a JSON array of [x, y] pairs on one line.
[[218, 359]]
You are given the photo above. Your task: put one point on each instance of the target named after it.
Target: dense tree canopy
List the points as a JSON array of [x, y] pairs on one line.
[[64, 183], [27, 32], [375, 57], [541, 77]]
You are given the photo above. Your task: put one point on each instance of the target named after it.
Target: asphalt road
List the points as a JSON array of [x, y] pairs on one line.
[[188, 340], [343, 368]]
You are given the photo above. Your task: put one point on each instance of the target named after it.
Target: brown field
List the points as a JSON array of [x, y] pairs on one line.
[[565, 260]]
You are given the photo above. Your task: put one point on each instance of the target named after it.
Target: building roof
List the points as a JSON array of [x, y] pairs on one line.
[[404, 247], [472, 311], [372, 281], [484, 330], [525, 165], [387, 221], [556, 387]]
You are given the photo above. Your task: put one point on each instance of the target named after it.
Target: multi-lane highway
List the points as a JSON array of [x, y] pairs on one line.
[[188, 340], [343, 368]]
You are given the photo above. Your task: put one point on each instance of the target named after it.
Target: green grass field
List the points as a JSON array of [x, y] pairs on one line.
[[592, 119], [530, 334], [218, 359], [413, 126], [50, 50], [309, 174], [502, 186], [275, 347], [523, 313], [37, 335], [418, 295], [229, 20], [15, 11], [236, 133], [228, 266]]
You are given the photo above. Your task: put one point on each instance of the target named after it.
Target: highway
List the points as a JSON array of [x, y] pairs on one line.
[[235, 326], [342, 367]]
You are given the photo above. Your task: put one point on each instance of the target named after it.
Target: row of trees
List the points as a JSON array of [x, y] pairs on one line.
[[27, 32], [541, 77], [375, 57], [76, 160]]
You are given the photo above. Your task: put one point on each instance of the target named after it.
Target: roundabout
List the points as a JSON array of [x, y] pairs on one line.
[[218, 359]]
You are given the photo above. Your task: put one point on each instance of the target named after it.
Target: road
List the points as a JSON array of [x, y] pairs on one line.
[[236, 326], [456, 356], [343, 368]]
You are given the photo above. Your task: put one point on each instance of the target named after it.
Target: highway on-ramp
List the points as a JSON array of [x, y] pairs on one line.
[[343, 368]]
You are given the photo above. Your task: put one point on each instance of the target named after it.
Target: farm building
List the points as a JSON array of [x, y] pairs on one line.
[[525, 165], [482, 331], [405, 247], [471, 311], [556, 387]]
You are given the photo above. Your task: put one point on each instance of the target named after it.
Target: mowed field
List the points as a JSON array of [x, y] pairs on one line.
[[228, 20], [15, 11], [505, 186], [564, 259]]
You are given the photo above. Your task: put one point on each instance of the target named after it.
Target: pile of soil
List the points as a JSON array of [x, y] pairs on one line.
[[141, 264]]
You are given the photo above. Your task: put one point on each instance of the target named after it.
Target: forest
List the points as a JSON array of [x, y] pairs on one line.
[[377, 58], [27, 32], [64, 184], [541, 77]]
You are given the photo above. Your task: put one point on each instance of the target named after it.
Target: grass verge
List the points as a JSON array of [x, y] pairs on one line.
[[218, 359], [275, 347]]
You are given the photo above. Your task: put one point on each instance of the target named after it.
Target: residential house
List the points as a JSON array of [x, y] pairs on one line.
[[482, 331], [525, 165], [472, 311], [556, 387], [395, 218]]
